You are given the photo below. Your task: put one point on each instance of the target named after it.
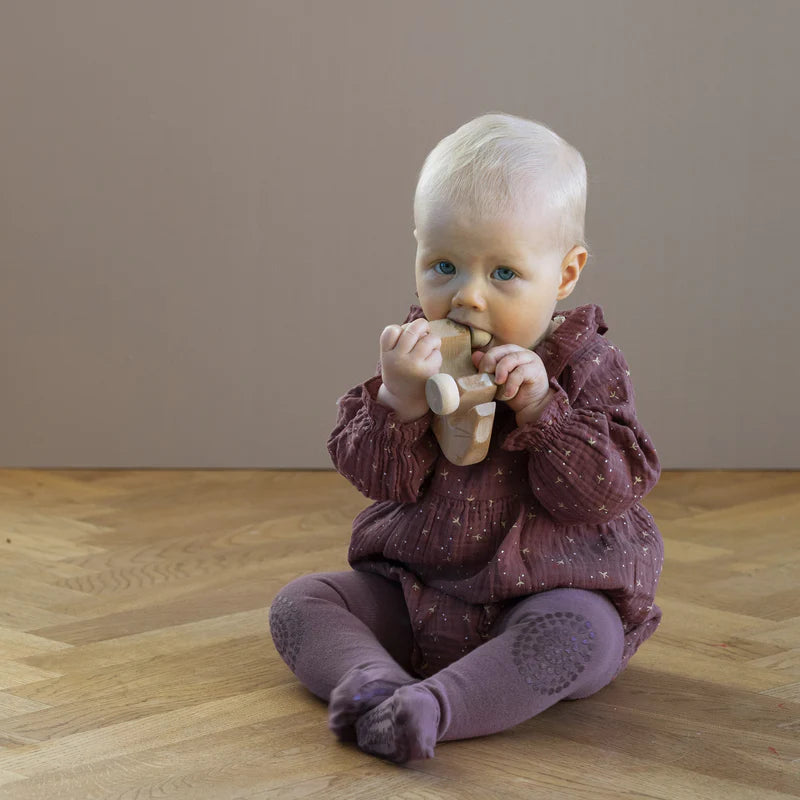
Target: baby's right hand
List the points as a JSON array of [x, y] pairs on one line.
[[410, 355]]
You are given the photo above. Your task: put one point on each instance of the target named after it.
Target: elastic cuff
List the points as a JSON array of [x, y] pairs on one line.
[[536, 435], [386, 420]]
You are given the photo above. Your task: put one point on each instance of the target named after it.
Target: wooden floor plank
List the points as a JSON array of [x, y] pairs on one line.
[[135, 658]]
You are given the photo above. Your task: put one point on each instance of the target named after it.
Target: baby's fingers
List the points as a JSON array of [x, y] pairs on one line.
[[412, 333], [490, 360], [517, 377], [403, 337], [426, 345], [389, 337], [511, 362]]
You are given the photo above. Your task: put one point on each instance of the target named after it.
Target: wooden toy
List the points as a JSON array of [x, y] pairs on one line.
[[460, 397]]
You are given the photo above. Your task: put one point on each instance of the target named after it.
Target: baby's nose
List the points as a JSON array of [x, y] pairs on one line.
[[470, 296]]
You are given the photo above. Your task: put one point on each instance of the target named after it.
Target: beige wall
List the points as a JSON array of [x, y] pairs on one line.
[[205, 212]]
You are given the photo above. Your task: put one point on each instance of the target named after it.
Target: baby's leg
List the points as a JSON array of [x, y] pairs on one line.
[[347, 637], [561, 644]]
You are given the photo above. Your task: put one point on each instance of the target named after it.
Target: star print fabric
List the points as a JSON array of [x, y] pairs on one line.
[[594, 431], [556, 503], [399, 456]]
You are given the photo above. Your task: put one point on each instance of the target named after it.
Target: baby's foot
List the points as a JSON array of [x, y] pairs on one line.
[[402, 728], [358, 692]]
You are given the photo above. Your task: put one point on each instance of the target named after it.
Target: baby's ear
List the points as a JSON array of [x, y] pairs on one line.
[[571, 268]]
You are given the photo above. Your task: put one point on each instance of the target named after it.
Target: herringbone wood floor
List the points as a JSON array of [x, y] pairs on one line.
[[135, 660]]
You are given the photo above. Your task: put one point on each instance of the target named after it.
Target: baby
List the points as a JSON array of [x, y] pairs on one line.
[[481, 595]]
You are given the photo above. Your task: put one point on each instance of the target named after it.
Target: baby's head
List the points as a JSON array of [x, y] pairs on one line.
[[499, 213]]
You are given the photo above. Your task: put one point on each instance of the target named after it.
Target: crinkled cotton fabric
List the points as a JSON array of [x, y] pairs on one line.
[[555, 504]]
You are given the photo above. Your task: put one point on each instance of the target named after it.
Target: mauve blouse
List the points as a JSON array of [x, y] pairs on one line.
[[556, 503]]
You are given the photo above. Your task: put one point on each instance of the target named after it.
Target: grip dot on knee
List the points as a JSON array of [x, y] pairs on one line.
[[551, 650], [287, 628]]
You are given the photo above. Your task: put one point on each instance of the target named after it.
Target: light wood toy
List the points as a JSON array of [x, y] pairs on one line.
[[460, 396]]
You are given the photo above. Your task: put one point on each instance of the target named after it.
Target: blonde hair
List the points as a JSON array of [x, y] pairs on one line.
[[497, 163]]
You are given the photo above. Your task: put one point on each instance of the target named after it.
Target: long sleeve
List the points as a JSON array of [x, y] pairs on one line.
[[384, 458], [589, 458]]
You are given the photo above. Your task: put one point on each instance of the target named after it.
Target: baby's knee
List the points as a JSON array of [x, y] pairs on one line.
[[288, 614], [286, 618], [567, 642], [318, 586], [303, 586], [287, 627]]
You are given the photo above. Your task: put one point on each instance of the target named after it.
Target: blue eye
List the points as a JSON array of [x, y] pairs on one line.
[[444, 268], [504, 273]]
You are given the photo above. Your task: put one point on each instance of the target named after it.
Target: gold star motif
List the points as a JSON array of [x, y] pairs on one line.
[[638, 584], [570, 540], [457, 521], [470, 499], [604, 574], [561, 562], [499, 472], [392, 426], [526, 551], [559, 480], [465, 617], [637, 479], [600, 478], [531, 515], [444, 473], [520, 582], [596, 360], [603, 508], [478, 537], [416, 587], [613, 396], [567, 453], [578, 336], [592, 442]]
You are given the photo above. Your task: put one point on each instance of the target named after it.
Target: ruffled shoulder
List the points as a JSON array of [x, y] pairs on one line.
[[572, 331]]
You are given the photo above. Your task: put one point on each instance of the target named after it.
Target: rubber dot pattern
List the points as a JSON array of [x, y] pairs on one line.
[[552, 650], [287, 628]]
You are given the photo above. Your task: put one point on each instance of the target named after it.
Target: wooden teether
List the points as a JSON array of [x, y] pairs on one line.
[[460, 396]]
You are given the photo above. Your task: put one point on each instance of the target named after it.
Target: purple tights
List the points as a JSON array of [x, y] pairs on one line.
[[348, 639]]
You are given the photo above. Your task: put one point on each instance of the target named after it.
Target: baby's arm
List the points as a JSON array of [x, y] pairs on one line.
[[590, 459], [382, 442], [383, 457]]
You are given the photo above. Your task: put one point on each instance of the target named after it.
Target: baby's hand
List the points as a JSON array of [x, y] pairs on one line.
[[527, 385], [409, 356]]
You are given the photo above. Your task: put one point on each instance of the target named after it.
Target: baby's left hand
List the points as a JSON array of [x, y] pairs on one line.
[[527, 385]]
